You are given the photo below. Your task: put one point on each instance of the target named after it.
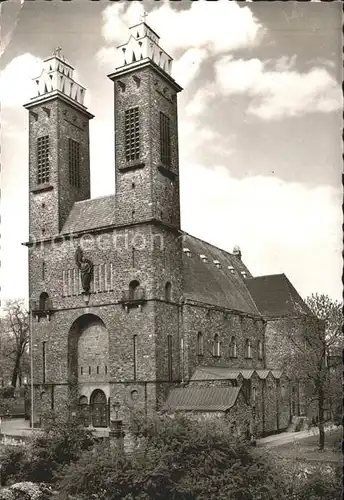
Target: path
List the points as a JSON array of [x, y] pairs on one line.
[[290, 437]]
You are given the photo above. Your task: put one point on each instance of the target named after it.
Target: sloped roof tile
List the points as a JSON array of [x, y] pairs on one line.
[[202, 399], [274, 295], [204, 282], [91, 214]]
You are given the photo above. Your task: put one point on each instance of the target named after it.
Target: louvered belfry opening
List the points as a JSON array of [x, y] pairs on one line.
[[43, 159], [165, 140], [74, 162], [132, 134]]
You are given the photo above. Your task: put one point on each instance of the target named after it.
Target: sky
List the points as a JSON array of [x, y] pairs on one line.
[[259, 122]]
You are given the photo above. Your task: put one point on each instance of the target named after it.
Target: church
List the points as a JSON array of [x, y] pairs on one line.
[[129, 312]]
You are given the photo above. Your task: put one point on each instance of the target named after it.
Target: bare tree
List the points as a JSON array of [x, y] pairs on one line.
[[308, 358], [15, 334]]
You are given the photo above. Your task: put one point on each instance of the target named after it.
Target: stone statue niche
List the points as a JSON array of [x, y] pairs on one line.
[[86, 269]]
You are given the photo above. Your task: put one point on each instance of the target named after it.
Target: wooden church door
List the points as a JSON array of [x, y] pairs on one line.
[[99, 409]]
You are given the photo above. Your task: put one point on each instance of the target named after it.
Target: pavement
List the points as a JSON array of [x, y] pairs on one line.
[[20, 427], [290, 437]]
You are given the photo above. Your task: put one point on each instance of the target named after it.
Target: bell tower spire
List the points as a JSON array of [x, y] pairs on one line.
[[146, 129]]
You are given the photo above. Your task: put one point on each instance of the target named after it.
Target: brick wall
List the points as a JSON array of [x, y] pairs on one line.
[[226, 325], [50, 205], [147, 190]]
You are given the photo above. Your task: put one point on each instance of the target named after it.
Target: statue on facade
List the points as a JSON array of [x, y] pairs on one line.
[[86, 269]]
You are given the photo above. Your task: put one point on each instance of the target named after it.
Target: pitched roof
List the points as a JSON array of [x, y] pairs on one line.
[[263, 373], [274, 295], [204, 282], [202, 399], [91, 214]]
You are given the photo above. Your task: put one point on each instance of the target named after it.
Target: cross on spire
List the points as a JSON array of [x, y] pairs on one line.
[[57, 52], [143, 16]]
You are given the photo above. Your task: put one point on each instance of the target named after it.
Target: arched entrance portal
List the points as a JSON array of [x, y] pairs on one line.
[[99, 409]]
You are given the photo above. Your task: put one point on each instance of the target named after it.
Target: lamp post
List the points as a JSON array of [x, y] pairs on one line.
[[31, 362], [116, 430]]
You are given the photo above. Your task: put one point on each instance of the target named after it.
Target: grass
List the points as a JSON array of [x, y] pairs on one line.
[[306, 449]]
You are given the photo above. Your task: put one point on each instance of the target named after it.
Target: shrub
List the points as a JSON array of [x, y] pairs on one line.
[[7, 392], [61, 442], [323, 483], [178, 459], [12, 462]]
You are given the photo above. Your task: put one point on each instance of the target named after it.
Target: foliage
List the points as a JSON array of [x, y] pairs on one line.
[[14, 336], [321, 485], [7, 392], [62, 442], [308, 358], [312, 481], [175, 458]]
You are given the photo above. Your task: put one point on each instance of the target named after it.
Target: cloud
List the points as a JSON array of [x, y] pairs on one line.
[[191, 30], [236, 26], [199, 142], [280, 226], [188, 65], [281, 91], [16, 84], [200, 101]]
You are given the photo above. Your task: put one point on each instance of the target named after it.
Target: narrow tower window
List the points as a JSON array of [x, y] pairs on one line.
[[233, 348], [44, 361], [44, 302], [43, 159], [168, 292], [133, 289], [135, 355], [169, 356], [260, 349], [200, 344], [132, 134], [216, 346], [248, 349], [74, 162], [165, 140]]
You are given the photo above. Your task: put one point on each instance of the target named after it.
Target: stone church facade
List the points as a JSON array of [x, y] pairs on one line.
[[127, 308]]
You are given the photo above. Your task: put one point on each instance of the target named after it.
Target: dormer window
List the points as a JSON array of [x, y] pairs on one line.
[[187, 251], [243, 274], [231, 269], [217, 264], [204, 258]]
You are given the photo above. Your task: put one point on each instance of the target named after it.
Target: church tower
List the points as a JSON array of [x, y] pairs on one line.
[[59, 166], [146, 129], [147, 192]]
